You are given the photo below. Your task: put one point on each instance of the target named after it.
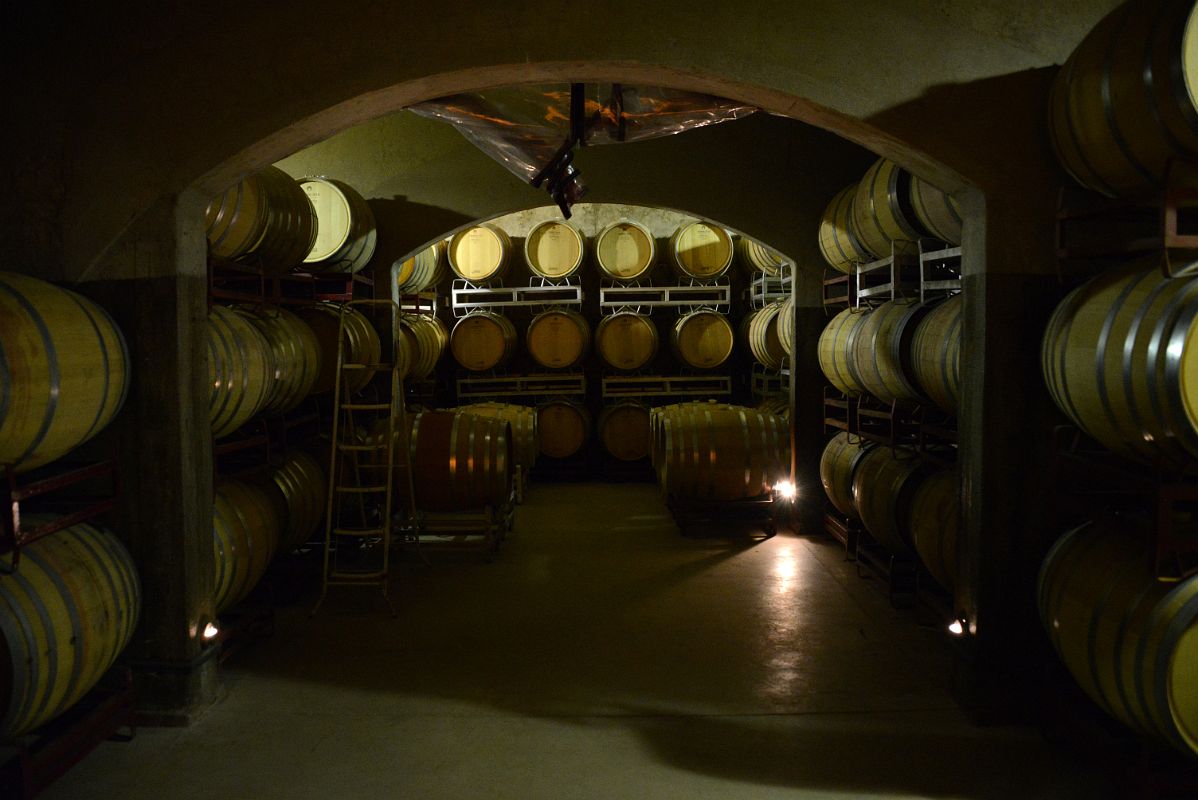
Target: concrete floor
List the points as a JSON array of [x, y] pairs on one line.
[[601, 656]]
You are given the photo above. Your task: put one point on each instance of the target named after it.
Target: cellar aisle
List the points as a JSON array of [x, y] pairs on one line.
[[602, 655]]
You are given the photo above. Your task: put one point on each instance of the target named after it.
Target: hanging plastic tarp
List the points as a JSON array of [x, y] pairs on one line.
[[531, 130]]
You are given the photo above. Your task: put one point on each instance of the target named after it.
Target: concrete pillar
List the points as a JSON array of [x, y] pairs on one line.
[[154, 282], [806, 398]]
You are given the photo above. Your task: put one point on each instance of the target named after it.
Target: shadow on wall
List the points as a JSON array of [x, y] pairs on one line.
[[403, 226]]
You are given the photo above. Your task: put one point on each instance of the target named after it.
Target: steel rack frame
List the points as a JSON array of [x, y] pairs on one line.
[[896, 275], [889, 424], [466, 296], [766, 382], [843, 529], [53, 478], [939, 269], [838, 289], [617, 297], [898, 573], [765, 289], [762, 511], [840, 411], [570, 384], [616, 386]]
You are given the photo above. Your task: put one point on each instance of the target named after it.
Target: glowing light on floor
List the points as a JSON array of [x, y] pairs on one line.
[[956, 628], [785, 569]]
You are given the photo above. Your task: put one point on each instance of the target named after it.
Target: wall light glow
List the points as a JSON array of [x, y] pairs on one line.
[[786, 490]]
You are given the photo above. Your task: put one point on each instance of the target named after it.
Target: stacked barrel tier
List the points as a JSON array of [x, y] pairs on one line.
[[558, 338], [345, 229], [883, 215], [424, 339], [554, 250], [241, 370], [526, 436], [778, 405], [422, 270], [756, 257], [837, 344], [1120, 360], [838, 240], [266, 221], [881, 351], [884, 482], [1123, 105], [295, 355], [246, 533], [837, 467], [480, 254], [362, 345], [935, 524], [759, 331], [936, 354], [67, 610], [701, 251], [785, 323], [460, 461], [625, 251], [702, 339], [712, 451], [483, 340], [624, 431], [936, 210], [301, 479], [64, 371], [564, 426], [1129, 640], [626, 340]]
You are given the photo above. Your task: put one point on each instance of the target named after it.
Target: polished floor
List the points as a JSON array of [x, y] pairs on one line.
[[602, 655]]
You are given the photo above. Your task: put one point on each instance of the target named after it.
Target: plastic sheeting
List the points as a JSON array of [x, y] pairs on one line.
[[528, 128]]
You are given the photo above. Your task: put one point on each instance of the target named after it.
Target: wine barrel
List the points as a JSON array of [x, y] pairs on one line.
[[626, 340], [703, 339], [838, 240], [558, 338], [881, 351], [1123, 104], [482, 340], [422, 270], [240, 370], [837, 466], [936, 211], [425, 338], [246, 530], [884, 482], [66, 611], [624, 431], [935, 524], [564, 426], [701, 251], [761, 336], [779, 406], [836, 345], [719, 452], [625, 250], [936, 354], [64, 371], [362, 344], [301, 479], [554, 250], [785, 322], [295, 354], [460, 461], [882, 212], [1129, 640], [265, 220], [1115, 358], [526, 437], [345, 229], [479, 254], [756, 257]]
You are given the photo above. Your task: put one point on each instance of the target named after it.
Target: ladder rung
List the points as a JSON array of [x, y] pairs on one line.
[[361, 489], [359, 531], [365, 406]]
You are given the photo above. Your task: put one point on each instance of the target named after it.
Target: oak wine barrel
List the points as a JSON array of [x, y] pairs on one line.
[[67, 610], [301, 479], [1124, 103], [362, 345], [720, 452], [624, 431], [295, 354], [554, 250], [1129, 640], [836, 346], [558, 338], [935, 524], [526, 437], [837, 465], [756, 257], [479, 254], [266, 220], [785, 322], [240, 370], [701, 251], [838, 240], [937, 212], [884, 482], [779, 406], [564, 426], [936, 354], [882, 212], [425, 339], [881, 352], [482, 340], [703, 339], [626, 340], [460, 461], [625, 250], [246, 530], [64, 371], [761, 336], [423, 270], [345, 230]]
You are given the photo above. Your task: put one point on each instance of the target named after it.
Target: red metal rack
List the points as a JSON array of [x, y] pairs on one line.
[[13, 534]]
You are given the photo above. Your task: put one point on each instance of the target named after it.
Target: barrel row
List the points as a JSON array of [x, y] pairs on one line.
[[623, 251], [888, 209], [272, 221], [902, 351], [907, 506]]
